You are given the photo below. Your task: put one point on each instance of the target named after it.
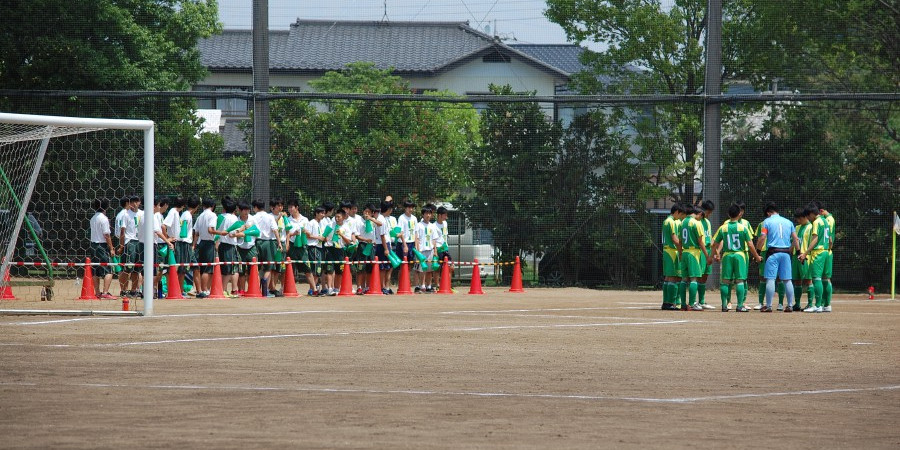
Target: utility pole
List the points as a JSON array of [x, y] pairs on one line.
[[261, 158], [712, 123]]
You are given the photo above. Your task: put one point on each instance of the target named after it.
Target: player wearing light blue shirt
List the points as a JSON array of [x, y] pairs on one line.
[[780, 237]]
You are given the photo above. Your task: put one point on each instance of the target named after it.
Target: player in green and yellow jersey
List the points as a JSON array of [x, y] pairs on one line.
[[671, 260], [816, 252], [736, 239], [800, 269], [829, 262], [707, 206], [694, 255]]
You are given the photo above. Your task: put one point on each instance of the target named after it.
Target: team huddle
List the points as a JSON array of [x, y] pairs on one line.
[[317, 246], [793, 257]]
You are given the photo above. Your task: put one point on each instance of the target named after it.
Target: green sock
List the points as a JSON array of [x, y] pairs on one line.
[[673, 292], [780, 288], [682, 292], [819, 290], [741, 293], [762, 292], [827, 290], [693, 292], [701, 292], [810, 295], [798, 294], [725, 293], [665, 289]]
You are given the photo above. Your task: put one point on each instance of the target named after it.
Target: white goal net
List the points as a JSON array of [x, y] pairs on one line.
[[54, 173]]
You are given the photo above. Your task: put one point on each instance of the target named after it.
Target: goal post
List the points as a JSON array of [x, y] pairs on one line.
[[24, 142]]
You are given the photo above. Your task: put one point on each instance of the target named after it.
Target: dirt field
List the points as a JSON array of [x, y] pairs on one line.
[[545, 369]]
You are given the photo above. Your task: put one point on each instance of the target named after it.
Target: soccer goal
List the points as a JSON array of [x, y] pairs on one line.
[[52, 172]]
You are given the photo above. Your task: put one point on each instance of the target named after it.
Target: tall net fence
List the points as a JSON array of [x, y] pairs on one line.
[[577, 189]]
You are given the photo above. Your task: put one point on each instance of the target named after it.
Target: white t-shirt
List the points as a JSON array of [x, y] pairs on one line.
[[227, 222], [157, 227], [437, 235], [99, 228], [187, 221], [297, 226], [361, 226], [139, 223], [205, 221], [381, 232], [345, 230], [328, 222], [392, 223], [424, 236], [130, 223], [266, 224], [120, 222], [173, 224], [408, 226], [247, 242], [313, 228], [280, 224]]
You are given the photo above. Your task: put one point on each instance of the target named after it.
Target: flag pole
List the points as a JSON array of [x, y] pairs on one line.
[[894, 257]]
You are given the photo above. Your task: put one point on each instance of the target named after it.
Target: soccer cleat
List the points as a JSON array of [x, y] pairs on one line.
[[788, 309], [708, 306], [758, 307], [390, 291], [417, 290], [332, 292], [696, 307], [780, 307], [766, 309], [742, 309], [669, 307], [826, 309], [202, 295], [811, 309], [724, 309]]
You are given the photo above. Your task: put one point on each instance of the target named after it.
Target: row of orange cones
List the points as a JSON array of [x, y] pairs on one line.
[[290, 286]]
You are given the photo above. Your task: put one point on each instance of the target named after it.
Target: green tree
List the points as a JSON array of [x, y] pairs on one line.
[[511, 193], [363, 149], [650, 50]]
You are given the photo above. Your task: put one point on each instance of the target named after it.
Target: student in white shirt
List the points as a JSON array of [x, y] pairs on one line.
[[133, 253], [406, 241], [424, 247], [296, 239], [101, 248], [276, 205], [205, 245], [228, 253], [119, 232], [174, 229], [161, 243], [246, 248], [314, 241], [266, 244], [329, 252], [383, 243]]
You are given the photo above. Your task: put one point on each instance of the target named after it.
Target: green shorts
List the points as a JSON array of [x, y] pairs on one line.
[[690, 265], [298, 255], [246, 255], [734, 265], [707, 268], [134, 254], [100, 254], [762, 267], [829, 265], [362, 258], [278, 267], [746, 266], [228, 254], [671, 265], [183, 255], [266, 251], [817, 263], [314, 255], [332, 254], [799, 270], [206, 253]]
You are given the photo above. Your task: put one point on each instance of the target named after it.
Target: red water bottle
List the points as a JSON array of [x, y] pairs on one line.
[[125, 304]]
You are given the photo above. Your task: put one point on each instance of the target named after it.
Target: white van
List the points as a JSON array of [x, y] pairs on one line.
[[468, 244]]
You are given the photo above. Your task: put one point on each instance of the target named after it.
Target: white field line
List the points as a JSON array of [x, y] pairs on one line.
[[550, 396], [350, 333], [336, 311]]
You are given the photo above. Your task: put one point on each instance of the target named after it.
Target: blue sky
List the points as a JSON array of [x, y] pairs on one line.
[[519, 19]]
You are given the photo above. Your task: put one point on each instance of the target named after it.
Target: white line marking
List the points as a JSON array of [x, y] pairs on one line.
[[676, 400], [863, 343], [350, 333]]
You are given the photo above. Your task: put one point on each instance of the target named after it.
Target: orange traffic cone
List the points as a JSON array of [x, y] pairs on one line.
[[516, 285], [6, 293], [346, 280], [172, 284], [475, 287], [375, 279], [87, 285], [254, 290], [217, 291], [445, 278], [290, 286], [403, 287]]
